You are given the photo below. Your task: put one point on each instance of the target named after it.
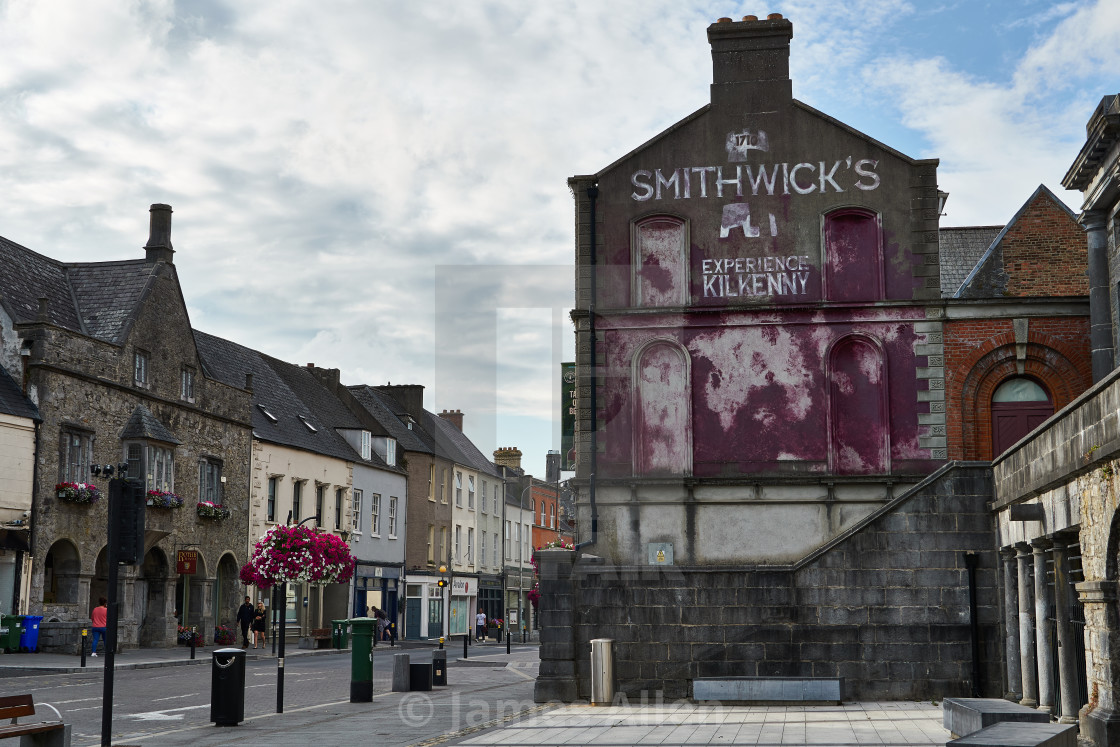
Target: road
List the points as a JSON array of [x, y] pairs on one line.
[[171, 705]]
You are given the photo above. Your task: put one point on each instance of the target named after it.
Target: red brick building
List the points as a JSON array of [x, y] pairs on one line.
[[1016, 336]]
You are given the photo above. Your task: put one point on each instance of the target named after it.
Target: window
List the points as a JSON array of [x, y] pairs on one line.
[[442, 485], [186, 385], [271, 418], [366, 445], [481, 548], [542, 514], [391, 452], [75, 454], [552, 516], [375, 516], [442, 544], [273, 483], [517, 539], [431, 539], [140, 368], [209, 480], [470, 545], [526, 534], [483, 497], [392, 517], [458, 488], [356, 512], [470, 491], [320, 493], [458, 543], [431, 482], [307, 424], [297, 495], [495, 549], [508, 524], [338, 496], [853, 269]]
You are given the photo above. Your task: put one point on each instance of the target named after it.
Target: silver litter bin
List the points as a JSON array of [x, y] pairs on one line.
[[602, 671]]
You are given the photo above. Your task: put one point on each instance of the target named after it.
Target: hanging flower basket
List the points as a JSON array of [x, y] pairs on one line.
[[77, 492], [216, 511], [164, 499], [298, 555]]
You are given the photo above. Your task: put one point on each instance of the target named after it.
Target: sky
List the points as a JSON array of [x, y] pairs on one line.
[[380, 187]]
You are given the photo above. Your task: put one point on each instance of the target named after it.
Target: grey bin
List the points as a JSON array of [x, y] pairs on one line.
[[227, 687]]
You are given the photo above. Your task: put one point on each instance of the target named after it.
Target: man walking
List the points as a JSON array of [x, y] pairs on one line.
[[245, 615], [480, 625]]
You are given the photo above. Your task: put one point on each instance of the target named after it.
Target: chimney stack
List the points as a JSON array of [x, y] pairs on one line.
[[455, 417], [158, 248], [409, 396], [508, 456], [750, 62]]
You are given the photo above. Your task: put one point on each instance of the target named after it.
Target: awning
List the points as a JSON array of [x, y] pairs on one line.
[[15, 539]]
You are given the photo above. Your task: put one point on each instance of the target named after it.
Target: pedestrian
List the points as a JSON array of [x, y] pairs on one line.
[[260, 626], [480, 625], [98, 617], [382, 625], [245, 615]]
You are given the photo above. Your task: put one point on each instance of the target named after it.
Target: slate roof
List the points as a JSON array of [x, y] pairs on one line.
[[95, 298], [143, 424], [454, 444], [960, 249], [228, 362], [12, 400], [388, 412]]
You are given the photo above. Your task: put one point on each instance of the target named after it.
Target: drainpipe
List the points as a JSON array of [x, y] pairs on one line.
[[592, 195]]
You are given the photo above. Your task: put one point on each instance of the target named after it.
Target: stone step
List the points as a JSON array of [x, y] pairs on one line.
[[963, 716], [1020, 734], [774, 690]]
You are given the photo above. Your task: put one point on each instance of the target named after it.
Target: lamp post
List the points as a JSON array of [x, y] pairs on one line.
[[284, 627]]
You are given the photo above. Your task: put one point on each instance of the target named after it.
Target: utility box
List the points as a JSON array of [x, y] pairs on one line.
[[439, 667], [361, 658], [227, 687]]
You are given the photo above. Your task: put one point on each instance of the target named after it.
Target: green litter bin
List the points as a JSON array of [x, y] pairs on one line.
[[340, 633], [11, 628]]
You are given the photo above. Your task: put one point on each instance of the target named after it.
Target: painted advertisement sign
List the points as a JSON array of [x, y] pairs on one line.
[[567, 416]]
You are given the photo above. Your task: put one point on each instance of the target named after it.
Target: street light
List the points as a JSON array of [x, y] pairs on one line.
[[284, 626], [445, 600]]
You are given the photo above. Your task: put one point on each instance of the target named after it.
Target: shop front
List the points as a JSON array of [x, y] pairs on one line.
[[464, 595], [376, 587]]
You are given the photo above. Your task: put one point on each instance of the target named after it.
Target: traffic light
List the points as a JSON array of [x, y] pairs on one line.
[[127, 503], [441, 583]]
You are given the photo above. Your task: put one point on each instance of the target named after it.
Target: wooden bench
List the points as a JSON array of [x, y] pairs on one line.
[[1020, 734], [964, 716], [44, 733]]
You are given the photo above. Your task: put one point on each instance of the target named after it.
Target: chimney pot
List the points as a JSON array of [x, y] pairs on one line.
[[774, 17], [158, 248], [750, 18], [723, 20]]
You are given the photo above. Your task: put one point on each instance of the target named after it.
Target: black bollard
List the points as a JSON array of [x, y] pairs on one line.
[[192, 643], [466, 637], [392, 634], [83, 646], [507, 640]]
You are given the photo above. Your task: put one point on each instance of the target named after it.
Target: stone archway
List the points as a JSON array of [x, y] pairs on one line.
[[200, 615], [227, 593], [61, 574], [154, 610]]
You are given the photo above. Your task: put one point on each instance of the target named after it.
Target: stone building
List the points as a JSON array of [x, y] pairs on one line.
[[19, 419], [114, 370], [1056, 495]]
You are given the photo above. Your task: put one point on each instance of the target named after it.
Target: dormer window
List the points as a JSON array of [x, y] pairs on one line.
[[366, 445], [391, 452], [307, 424], [272, 418]]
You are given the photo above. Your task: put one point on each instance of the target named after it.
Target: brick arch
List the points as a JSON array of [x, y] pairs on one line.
[[994, 364]]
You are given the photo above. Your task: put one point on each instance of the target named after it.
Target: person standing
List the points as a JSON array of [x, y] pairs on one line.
[[260, 626], [480, 625], [98, 617], [245, 616]]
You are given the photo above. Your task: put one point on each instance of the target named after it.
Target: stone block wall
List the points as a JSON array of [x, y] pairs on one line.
[[886, 606]]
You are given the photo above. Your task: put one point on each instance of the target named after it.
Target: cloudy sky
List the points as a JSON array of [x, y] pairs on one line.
[[380, 186]]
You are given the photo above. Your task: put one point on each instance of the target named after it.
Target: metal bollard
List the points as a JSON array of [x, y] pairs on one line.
[[466, 639], [602, 671], [84, 631], [192, 642], [392, 635], [401, 671]]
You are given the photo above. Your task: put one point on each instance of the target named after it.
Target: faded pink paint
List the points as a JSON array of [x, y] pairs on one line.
[[661, 276], [859, 431], [664, 444], [853, 266]]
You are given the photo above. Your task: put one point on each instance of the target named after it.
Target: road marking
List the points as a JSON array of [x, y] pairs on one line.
[[79, 700], [167, 714], [174, 697], [87, 708]]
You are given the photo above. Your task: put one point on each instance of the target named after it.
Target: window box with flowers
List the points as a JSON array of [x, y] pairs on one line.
[[164, 499], [77, 492], [215, 511]]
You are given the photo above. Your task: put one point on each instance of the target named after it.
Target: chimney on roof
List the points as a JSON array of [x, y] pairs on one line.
[[408, 396], [158, 248], [455, 417], [750, 62], [508, 456]]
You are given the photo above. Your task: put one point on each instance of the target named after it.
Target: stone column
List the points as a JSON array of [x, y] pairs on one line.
[[1026, 628], [1067, 667], [558, 677], [1011, 626], [1100, 719], [1044, 644], [1100, 314]]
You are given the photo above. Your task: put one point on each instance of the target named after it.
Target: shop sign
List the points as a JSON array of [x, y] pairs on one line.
[[186, 562], [463, 586]]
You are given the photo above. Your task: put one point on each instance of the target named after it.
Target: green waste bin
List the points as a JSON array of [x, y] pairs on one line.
[[340, 633], [11, 628]]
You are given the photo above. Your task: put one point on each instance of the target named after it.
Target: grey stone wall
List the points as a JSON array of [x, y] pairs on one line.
[[885, 606]]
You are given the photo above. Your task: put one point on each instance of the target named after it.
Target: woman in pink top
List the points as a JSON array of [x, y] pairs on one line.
[[98, 616]]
